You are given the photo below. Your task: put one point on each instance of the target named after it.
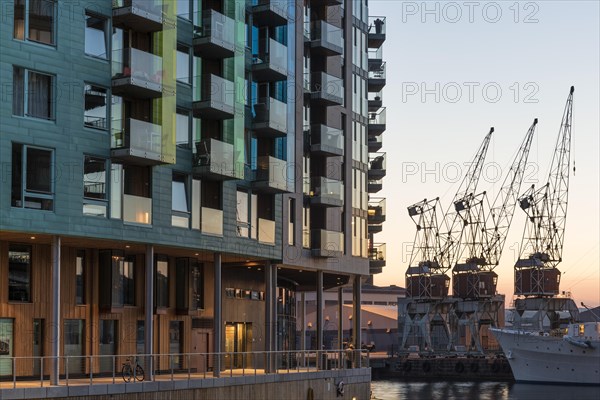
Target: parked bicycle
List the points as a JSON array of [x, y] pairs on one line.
[[128, 371]]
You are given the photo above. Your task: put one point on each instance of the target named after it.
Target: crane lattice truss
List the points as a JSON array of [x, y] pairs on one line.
[[486, 229], [536, 274]]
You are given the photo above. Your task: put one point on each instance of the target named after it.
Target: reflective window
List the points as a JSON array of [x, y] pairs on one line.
[[95, 113], [96, 36], [182, 128], [161, 296], [183, 64], [33, 94], [180, 201], [35, 20], [32, 177], [94, 186], [19, 273]]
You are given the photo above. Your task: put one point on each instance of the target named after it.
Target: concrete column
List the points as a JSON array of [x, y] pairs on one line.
[[218, 318], [56, 300], [149, 313], [356, 301], [340, 318], [268, 314], [319, 316]]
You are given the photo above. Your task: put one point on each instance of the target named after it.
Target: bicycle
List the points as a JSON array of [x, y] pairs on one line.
[[128, 372]]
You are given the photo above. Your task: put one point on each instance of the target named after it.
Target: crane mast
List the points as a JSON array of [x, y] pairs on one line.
[[536, 274]]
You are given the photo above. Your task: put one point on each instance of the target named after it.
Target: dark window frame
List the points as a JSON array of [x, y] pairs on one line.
[[23, 89], [16, 291], [22, 171], [22, 9], [91, 14]]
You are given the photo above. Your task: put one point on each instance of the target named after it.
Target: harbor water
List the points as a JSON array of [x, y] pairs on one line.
[[399, 390]]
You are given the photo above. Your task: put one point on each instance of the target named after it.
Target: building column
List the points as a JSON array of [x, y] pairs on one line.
[[303, 316], [319, 317], [268, 315], [218, 320], [274, 306], [149, 313], [340, 318], [356, 302], [55, 334]]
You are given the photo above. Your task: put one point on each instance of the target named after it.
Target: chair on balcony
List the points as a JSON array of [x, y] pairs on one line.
[[377, 163], [202, 154]]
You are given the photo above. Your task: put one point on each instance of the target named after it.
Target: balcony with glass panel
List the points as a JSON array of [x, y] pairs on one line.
[[270, 65], [377, 257], [374, 185], [326, 39], [269, 12], [375, 101], [136, 142], [136, 74], [213, 160], [374, 143], [376, 31], [328, 244], [216, 98], [375, 57], [326, 140], [215, 38], [269, 118], [377, 122], [376, 80], [376, 211], [377, 166], [138, 15], [326, 90], [270, 175], [326, 192]]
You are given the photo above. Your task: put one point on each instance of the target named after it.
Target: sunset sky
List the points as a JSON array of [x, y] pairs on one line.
[[453, 71]]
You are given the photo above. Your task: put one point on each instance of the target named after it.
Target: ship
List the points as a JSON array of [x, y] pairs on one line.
[[553, 357]]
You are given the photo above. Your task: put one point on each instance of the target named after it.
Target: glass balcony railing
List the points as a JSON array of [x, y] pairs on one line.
[[214, 158], [137, 73], [375, 57], [327, 89], [212, 221], [377, 121], [137, 138], [266, 231], [374, 143], [214, 38], [377, 73], [377, 161], [326, 38], [270, 117], [376, 211], [137, 210], [271, 63], [271, 174], [375, 100], [138, 15], [325, 139], [270, 12], [377, 252], [216, 98], [326, 243], [327, 191], [376, 25], [149, 6], [374, 185]]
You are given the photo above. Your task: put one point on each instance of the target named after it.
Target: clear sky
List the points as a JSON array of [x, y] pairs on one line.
[[454, 69]]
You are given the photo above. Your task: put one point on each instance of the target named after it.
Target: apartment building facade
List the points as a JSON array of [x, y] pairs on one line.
[[175, 172]]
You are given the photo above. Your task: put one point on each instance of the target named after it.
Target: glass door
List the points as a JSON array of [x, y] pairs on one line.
[[108, 347], [6, 346], [73, 346]]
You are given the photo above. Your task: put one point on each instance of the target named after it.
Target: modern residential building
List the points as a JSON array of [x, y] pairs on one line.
[[174, 173]]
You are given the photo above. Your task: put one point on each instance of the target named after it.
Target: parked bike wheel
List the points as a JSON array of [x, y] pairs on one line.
[[139, 373], [126, 372]]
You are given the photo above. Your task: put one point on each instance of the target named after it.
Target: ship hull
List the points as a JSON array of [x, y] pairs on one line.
[[547, 359]]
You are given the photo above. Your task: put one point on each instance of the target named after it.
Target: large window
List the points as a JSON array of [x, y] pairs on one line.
[[80, 278], [161, 270], [127, 276], [247, 214], [33, 94], [19, 273], [183, 64], [35, 20], [116, 280], [95, 113], [96, 36], [182, 128], [180, 201], [32, 177], [94, 186]]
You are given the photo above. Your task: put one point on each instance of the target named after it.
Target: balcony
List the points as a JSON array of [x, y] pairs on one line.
[[269, 12], [136, 74], [326, 39], [376, 31], [270, 118], [377, 79], [214, 39], [326, 192], [136, 142], [375, 58], [375, 143], [377, 122], [271, 64], [377, 166], [137, 209], [328, 244], [326, 90], [212, 221], [138, 15], [270, 175], [266, 231], [326, 141], [375, 101], [216, 99], [377, 256], [376, 212], [374, 185], [214, 160], [372, 229]]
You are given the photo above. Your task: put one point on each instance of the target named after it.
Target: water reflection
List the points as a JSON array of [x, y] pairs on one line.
[[392, 390]]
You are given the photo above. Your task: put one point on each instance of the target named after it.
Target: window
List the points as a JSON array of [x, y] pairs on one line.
[[19, 273], [161, 274], [182, 128], [116, 281], [247, 214], [95, 113], [183, 64], [292, 222], [180, 202], [96, 36], [94, 186], [137, 194], [127, 277], [33, 94], [197, 286], [35, 20], [32, 177], [189, 284], [183, 8], [80, 278]]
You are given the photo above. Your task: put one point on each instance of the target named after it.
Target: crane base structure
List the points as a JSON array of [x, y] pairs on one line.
[[544, 313]]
